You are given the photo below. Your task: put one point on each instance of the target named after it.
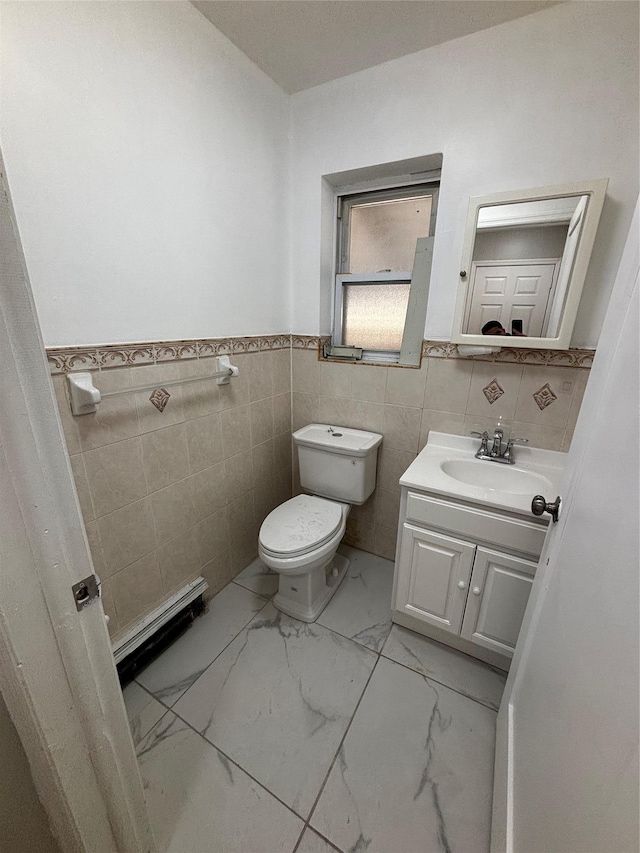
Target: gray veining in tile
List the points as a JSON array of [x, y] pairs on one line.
[[361, 608], [468, 676], [278, 700], [143, 711], [199, 801], [311, 842], [184, 662], [259, 578], [414, 773]]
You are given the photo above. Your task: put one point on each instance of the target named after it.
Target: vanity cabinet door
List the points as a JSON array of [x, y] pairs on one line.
[[498, 594], [433, 577]]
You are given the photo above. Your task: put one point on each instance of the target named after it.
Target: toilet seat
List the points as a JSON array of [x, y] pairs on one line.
[[300, 525]]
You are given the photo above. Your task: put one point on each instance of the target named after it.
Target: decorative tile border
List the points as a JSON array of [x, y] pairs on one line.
[[65, 359]]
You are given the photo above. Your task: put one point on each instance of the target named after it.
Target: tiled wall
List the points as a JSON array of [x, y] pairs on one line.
[[167, 496], [446, 394]]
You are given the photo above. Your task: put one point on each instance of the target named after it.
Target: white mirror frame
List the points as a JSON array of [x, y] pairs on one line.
[[596, 190]]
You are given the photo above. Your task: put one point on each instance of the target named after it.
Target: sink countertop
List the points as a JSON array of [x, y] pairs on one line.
[[425, 473]]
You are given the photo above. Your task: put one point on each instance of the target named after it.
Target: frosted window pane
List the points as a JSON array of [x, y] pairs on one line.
[[383, 234], [374, 315]]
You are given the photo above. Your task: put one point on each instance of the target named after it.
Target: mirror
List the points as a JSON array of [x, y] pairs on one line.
[[524, 263]]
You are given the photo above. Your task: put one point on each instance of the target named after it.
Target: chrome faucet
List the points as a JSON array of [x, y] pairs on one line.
[[497, 453]]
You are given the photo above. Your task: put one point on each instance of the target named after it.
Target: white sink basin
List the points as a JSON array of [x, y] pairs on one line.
[[496, 476]]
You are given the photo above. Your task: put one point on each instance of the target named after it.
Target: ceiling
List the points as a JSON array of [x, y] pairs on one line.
[[302, 43]]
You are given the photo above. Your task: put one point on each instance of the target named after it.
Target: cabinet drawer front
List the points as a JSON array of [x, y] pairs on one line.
[[434, 573], [498, 595], [477, 524]]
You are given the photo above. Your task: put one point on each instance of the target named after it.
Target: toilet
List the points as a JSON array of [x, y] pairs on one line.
[[299, 538]]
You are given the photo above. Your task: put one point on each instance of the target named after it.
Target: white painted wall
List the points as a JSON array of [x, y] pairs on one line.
[[23, 822], [547, 99], [147, 161]]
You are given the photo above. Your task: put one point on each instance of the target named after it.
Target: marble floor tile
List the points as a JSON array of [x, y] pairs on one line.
[[415, 770], [468, 676], [361, 608], [198, 801], [311, 842], [278, 701], [259, 579], [185, 660], [143, 711]]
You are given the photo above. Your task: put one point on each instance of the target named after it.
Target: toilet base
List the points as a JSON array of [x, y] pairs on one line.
[[305, 596]]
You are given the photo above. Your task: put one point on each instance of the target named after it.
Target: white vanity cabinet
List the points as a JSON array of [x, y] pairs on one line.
[[464, 573]]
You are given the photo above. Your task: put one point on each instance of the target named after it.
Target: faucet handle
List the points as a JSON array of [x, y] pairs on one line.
[[484, 434]]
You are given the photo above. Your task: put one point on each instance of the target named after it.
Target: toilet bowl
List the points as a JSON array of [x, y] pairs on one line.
[[299, 538]]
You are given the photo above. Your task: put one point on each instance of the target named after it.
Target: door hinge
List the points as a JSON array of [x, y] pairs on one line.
[[86, 591]]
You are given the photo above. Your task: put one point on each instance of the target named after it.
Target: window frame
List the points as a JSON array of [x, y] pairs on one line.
[[345, 200]]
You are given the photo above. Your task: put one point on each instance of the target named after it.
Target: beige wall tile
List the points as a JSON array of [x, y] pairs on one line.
[[472, 423], [204, 442], [366, 512], [334, 380], [126, 534], [263, 462], [116, 475], [82, 487], [173, 509], [391, 466], [448, 383], [266, 497], [282, 413], [508, 378], [149, 417], [243, 552], [165, 457], [385, 542], [405, 385], [360, 534], [116, 418], [236, 430], [238, 475], [136, 589], [209, 490], [179, 560], [369, 382], [212, 536], [261, 417], [305, 371], [199, 399], [567, 438], [561, 381], [281, 367], [283, 486], [95, 546], [259, 370], [217, 573], [69, 422], [401, 428], [366, 415], [580, 386], [449, 422], [282, 449], [241, 520], [305, 409], [387, 508], [335, 411], [236, 393], [548, 438]]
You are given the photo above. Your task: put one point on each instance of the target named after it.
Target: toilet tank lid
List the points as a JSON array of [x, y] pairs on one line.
[[351, 442]]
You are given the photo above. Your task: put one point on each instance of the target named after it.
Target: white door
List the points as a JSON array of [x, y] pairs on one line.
[[498, 593], [566, 775], [511, 290], [433, 577], [57, 675]]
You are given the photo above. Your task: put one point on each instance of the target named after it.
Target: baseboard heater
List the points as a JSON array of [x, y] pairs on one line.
[[151, 635]]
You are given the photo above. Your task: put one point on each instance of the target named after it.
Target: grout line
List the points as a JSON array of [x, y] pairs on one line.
[[441, 683]]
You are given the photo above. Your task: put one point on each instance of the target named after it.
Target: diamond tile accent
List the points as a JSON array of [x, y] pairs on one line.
[[493, 391], [159, 398], [544, 397]]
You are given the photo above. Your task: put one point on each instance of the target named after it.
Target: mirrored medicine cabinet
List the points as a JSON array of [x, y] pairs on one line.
[[524, 263]]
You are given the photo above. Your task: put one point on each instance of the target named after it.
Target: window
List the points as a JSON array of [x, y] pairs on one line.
[[380, 289]]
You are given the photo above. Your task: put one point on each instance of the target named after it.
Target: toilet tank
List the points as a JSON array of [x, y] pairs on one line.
[[337, 462]]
